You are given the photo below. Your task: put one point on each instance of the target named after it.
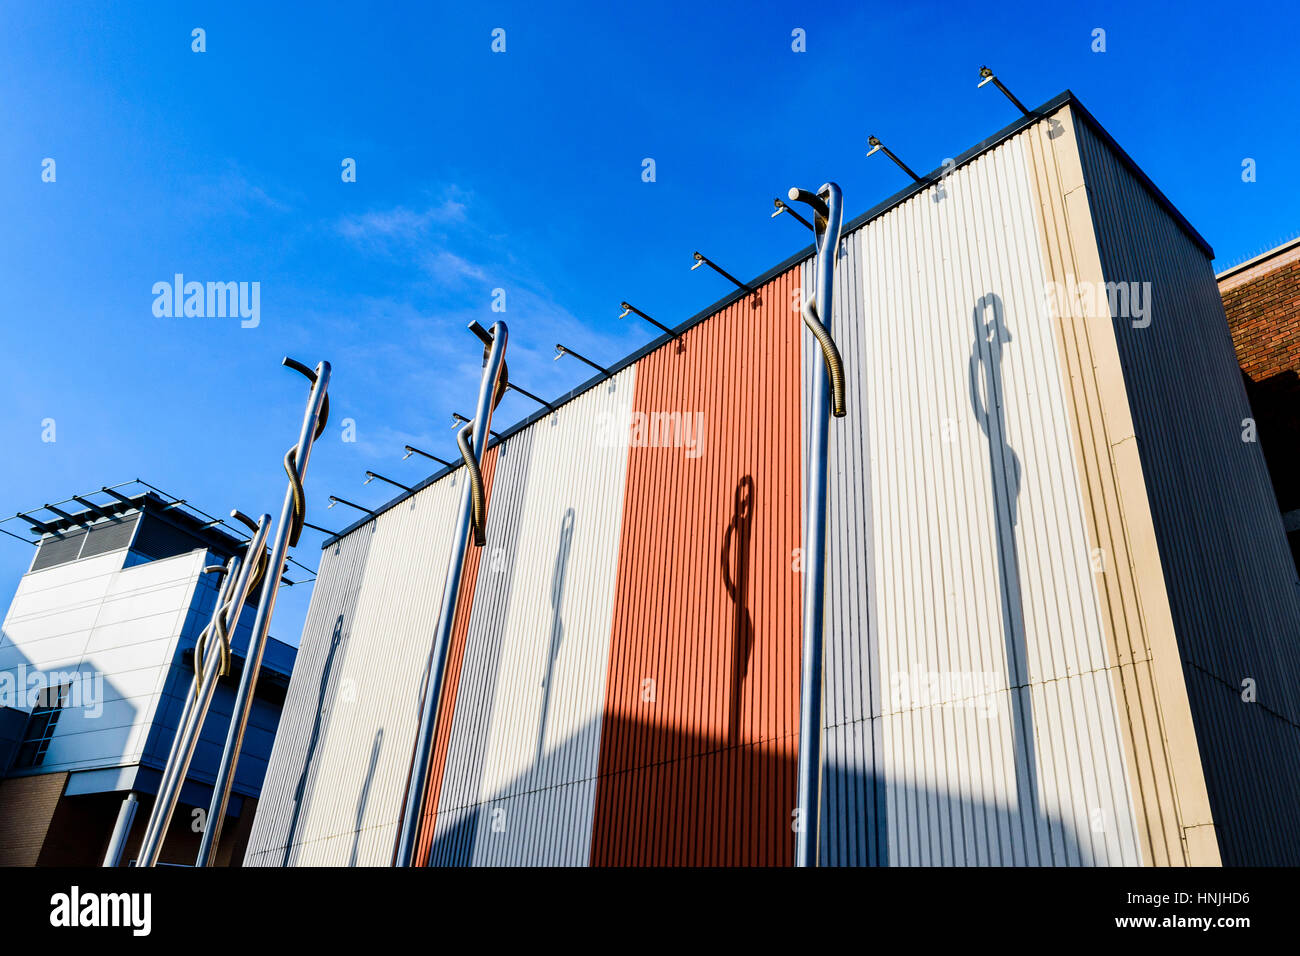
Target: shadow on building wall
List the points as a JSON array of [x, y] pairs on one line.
[[988, 401]]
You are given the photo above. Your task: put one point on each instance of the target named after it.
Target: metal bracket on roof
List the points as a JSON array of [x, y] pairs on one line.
[[703, 260], [878, 147], [986, 76]]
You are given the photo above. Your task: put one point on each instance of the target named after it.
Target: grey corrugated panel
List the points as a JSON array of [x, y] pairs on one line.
[[291, 773], [519, 782], [106, 536], [935, 558], [1231, 582], [59, 550]]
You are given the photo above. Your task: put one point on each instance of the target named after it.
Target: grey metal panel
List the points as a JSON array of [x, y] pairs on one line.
[[958, 552], [1232, 585], [519, 783], [59, 550], [106, 536]]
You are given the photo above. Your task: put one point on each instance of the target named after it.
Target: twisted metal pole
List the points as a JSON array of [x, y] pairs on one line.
[[292, 515], [473, 517], [828, 400], [210, 664]]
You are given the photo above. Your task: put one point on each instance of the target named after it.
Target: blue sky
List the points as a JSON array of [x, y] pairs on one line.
[[518, 170]]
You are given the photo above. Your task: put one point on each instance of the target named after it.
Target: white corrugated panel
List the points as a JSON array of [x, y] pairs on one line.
[[519, 783], [970, 717]]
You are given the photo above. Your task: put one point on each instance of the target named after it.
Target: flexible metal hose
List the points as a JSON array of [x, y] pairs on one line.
[[291, 464], [831, 354], [478, 496], [221, 624]]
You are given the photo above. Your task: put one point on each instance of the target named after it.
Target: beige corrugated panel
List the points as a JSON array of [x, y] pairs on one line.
[[970, 715], [338, 771], [1231, 584], [520, 776], [1164, 772]]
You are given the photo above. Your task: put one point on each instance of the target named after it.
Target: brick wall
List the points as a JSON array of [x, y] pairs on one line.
[[27, 806], [1262, 302]]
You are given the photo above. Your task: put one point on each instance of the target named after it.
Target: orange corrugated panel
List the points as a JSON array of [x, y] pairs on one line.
[[451, 682], [697, 760]]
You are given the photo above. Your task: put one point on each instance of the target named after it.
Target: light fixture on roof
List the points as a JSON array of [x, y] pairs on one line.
[[316, 527], [631, 309], [562, 350], [878, 147], [986, 76], [335, 500], [371, 476], [782, 207], [527, 394], [458, 419], [412, 450], [703, 260]]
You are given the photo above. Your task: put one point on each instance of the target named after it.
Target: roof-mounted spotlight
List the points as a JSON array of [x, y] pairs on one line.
[[316, 527], [527, 394], [458, 419], [703, 260], [986, 76], [371, 476], [782, 207], [878, 147], [412, 450], [562, 350], [334, 500], [633, 310]]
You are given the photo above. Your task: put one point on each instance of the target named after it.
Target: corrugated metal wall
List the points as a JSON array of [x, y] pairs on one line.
[[1166, 782], [1002, 681], [520, 777], [970, 717], [701, 712], [335, 783], [1231, 583]]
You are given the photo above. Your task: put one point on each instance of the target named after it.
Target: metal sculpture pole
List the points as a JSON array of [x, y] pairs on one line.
[[828, 400], [292, 515], [210, 664], [125, 817], [472, 440]]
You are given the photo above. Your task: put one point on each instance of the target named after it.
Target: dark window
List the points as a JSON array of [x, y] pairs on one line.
[[40, 726]]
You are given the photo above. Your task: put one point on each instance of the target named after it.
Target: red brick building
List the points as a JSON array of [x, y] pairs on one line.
[[1262, 300]]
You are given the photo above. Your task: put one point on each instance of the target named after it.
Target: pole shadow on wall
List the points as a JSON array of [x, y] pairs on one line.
[[736, 547], [365, 793], [986, 377], [323, 696], [557, 624]]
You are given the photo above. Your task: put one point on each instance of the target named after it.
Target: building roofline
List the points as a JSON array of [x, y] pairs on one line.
[[1017, 126], [1258, 260]]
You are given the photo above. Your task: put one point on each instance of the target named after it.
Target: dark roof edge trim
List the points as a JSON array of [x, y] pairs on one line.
[[1021, 123]]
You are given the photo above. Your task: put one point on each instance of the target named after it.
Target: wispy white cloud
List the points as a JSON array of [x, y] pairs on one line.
[[403, 225]]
